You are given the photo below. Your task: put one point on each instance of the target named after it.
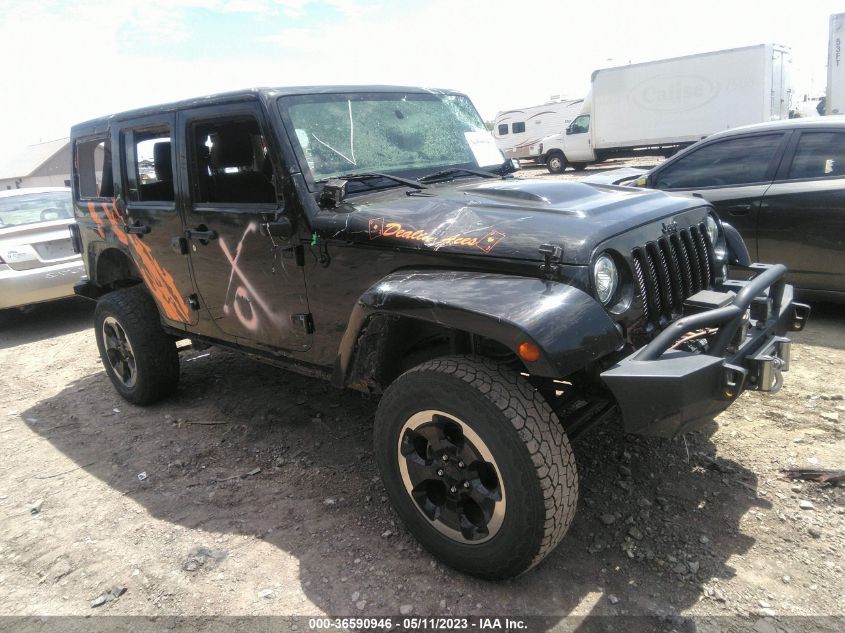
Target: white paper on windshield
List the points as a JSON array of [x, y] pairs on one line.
[[484, 148]]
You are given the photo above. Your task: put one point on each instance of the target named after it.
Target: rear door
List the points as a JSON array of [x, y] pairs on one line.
[[802, 218], [249, 283], [145, 216], [732, 174]]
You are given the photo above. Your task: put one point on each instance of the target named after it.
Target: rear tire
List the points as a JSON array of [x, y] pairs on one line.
[[505, 493], [140, 359], [556, 163], [579, 166]]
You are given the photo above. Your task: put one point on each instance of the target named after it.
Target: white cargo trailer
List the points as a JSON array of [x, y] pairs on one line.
[[659, 107], [516, 130], [835, 98]]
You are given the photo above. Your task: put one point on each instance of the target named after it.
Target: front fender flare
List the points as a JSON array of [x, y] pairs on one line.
[[568, 325]]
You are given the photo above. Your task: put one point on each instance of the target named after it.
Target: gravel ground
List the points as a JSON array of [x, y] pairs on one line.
[[254, 492]]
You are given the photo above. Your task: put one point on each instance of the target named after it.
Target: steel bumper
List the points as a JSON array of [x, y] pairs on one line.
[[663, 391]]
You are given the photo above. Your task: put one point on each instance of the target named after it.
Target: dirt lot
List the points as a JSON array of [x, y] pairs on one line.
[[254, 491]]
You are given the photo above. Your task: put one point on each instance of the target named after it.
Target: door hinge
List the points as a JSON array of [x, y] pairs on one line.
[[305, 321], [193, 301], [179, 245]]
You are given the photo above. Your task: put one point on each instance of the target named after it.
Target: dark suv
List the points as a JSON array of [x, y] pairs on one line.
[[375, 238]]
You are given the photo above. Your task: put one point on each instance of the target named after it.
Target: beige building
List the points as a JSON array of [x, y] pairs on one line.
[[42, 165]]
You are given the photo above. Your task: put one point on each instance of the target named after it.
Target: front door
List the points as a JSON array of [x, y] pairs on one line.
[[147, 217], [802, 219], [578, 144], [249, 283]]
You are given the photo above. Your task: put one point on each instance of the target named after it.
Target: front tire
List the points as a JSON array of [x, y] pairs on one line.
[[476, 464], [139, 357], [556, 163]]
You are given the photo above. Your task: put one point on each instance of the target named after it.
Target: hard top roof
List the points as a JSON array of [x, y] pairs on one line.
[[251, 94]]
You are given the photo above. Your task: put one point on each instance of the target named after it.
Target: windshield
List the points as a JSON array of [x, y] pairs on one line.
[[414, 134], [32, 208]]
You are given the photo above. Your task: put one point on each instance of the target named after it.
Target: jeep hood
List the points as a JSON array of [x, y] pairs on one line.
[[503, 218]]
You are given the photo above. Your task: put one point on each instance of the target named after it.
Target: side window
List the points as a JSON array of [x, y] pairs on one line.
[[580, 125], [149, 163], [518, 128], [229, 162], [503, 129], [819, 155], [92, 168], [736, 161]]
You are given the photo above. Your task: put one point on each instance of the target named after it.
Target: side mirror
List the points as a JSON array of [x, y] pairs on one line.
[[509, 166], [281, 227], [333, 193], [569, 130]]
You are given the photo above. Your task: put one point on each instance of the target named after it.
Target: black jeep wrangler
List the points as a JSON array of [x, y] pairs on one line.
[[374, 237]]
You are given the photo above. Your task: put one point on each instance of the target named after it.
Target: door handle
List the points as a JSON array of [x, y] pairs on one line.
[[201, 234], [136, 229], [740, 209]]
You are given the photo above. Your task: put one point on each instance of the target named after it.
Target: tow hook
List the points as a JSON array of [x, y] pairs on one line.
[[733, 381], [770, 363]]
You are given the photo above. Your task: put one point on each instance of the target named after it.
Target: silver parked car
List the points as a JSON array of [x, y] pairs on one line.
[[37, 262]]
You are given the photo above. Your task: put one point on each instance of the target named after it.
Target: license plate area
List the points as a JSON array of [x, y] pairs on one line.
[[55, 249]]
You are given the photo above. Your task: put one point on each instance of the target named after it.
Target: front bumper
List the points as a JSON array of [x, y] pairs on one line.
[[662, 391], [23, 287]]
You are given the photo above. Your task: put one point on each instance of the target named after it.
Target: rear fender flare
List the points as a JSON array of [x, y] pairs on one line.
[[570, 328]]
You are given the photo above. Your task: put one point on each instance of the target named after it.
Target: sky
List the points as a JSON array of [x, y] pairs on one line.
[[69, 61]]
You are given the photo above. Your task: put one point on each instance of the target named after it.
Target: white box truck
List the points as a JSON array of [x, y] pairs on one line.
[[835, 97], [517, 130], [661, 106]]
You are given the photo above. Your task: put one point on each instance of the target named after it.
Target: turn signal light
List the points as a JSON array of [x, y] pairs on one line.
[[529, 352]]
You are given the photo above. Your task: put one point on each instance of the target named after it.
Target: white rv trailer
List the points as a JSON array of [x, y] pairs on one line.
[[835, 98], [516, 130]]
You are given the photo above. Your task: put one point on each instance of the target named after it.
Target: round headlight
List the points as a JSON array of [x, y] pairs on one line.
[[712, 229], [605, 278]]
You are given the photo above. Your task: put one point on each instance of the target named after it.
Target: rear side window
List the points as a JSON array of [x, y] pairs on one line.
[[518, 128], [92, 168], [149, 165], [736, 161], [819, 155], [503, 129]]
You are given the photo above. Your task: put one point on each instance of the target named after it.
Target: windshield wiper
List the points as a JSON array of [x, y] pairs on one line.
[[334, 189], [376, 175], [446, 174]]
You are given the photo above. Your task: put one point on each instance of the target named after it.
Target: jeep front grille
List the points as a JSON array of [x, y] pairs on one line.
[[671, 269]]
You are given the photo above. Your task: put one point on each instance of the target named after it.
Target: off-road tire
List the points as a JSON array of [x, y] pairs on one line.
[[556, 163], [156, 357], [526, 440]]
